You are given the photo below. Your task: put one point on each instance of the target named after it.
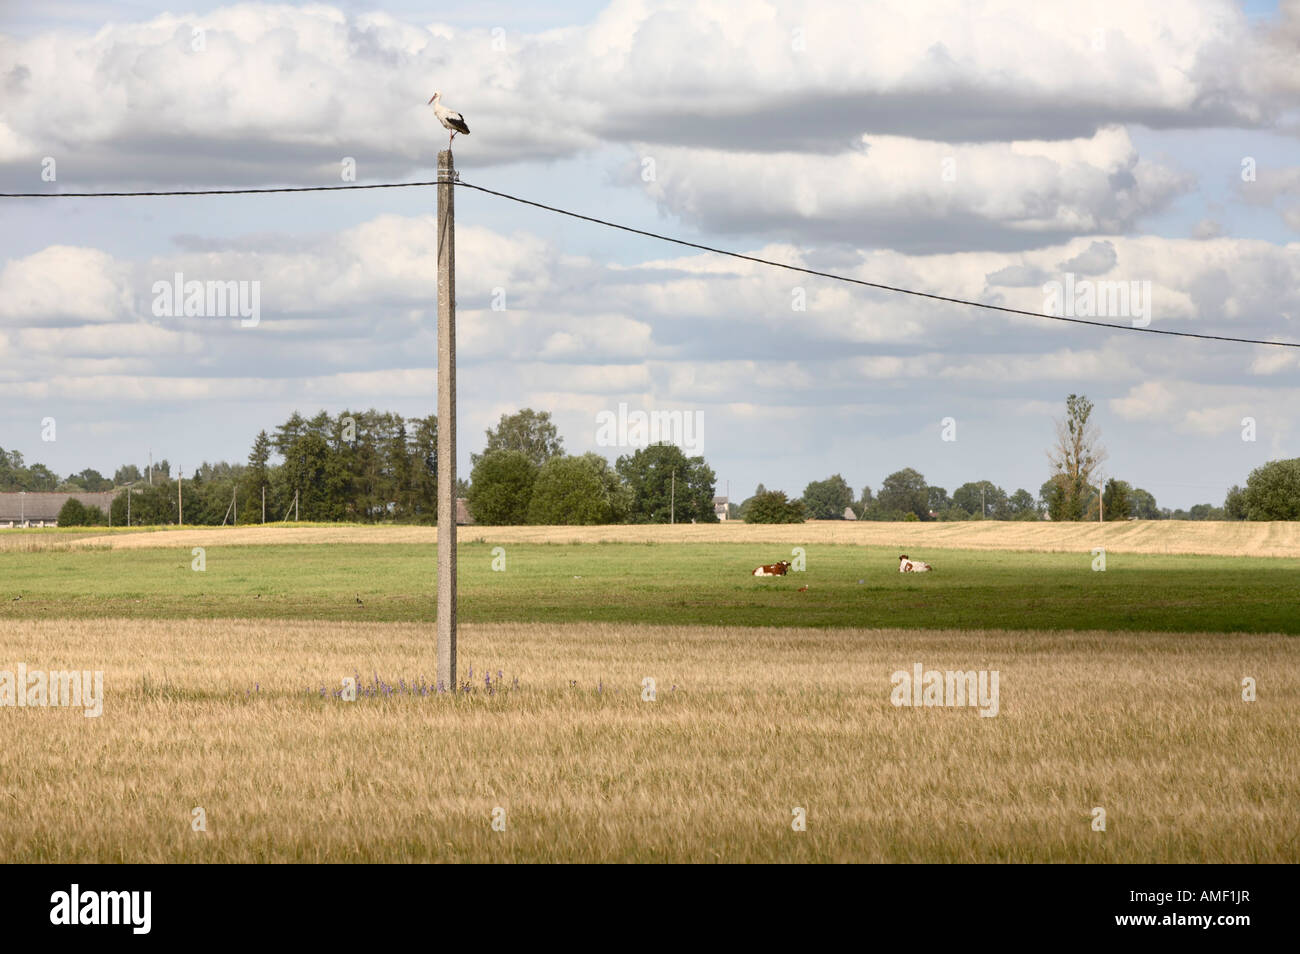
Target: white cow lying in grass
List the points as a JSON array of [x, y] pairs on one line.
[[907, 565]]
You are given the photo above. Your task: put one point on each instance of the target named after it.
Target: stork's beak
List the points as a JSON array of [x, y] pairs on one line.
[[431, 98]]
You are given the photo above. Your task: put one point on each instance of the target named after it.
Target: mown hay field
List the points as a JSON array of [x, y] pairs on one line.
[[1233, 538], [748, 724]]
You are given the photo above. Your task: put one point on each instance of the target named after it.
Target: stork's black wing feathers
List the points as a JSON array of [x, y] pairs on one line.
[[457, 122]]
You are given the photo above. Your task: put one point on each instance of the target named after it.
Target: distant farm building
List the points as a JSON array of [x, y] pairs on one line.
[[463, 516], [42, 509], [720, 507]]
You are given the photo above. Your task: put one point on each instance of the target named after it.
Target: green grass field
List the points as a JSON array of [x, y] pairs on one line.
[[678, 584]]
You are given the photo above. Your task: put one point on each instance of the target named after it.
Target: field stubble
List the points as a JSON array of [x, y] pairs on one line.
[[748, 724], [1216, 538]]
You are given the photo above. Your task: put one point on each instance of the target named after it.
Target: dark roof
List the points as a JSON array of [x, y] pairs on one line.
[[46, 506]]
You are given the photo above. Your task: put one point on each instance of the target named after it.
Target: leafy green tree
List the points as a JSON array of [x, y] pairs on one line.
[[8, 474], [155, 504], [905, 491], [828, 499], [73, 514], [501, 487], [1234, 504], [649, 476], [938, 499], [982, 499], [1117, 500], [1273, 491], [528, 431], [577, 490], [317, 475], [740, 511], [92, 480], [126, 474], [867, 506], [423, 450], [1144, 505], [117, 510], [256, 477], [771, 506], [38, 477], [1021, 505], [1074, 457]]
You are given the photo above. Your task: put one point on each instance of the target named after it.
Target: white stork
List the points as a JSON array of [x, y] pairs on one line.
[[449, 118]]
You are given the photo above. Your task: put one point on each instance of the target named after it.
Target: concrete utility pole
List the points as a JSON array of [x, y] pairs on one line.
[[180, 506], [672, 500], [446, 421], [264, 503]]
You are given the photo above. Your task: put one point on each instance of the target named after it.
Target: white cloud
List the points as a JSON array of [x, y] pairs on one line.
[[63, 282], [309, 85], [921, 194]]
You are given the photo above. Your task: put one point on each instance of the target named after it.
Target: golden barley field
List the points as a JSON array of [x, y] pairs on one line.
[[1231, 538], [747, 725]]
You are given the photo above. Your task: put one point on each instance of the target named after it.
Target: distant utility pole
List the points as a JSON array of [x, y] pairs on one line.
[[446, 421], [264, 503], [983, 510], [180, 506], [1101, 500], [672, 500], [151, 467]]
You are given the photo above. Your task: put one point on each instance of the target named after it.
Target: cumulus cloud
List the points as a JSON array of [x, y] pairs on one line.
[[1097, 259], [360, 300], [37, 288], [256, 92], [920, 195]]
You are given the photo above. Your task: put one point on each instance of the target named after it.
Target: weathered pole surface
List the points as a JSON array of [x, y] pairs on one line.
[[446, 422]]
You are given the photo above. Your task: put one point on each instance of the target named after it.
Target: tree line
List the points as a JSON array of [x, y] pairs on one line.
[[524, 476], [371, 466], [1070, 493]]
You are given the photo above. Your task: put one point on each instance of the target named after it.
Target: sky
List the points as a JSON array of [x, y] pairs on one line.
[[977, 150]]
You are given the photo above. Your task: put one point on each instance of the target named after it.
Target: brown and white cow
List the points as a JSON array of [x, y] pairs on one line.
[[773, 569], [908, 565]]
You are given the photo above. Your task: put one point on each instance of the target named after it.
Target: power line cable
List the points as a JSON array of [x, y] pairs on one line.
[[878, 285], [676, 241], [128, 195]]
